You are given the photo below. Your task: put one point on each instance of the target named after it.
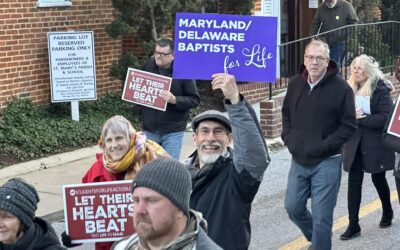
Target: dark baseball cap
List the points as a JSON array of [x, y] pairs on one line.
[[212, 115]]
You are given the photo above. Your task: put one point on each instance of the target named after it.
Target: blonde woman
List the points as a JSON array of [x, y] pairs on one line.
[[365, 152]]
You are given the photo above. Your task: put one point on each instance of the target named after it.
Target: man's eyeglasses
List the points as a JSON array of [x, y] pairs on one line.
[[319, 59], [161, 54], [218, 132]]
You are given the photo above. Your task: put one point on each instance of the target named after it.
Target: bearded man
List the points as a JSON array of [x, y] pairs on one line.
[[225, 181], [162, 217]]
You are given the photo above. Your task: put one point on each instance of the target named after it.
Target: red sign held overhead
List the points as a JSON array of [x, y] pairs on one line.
[[144, 88], [394, 126], [97, 212]]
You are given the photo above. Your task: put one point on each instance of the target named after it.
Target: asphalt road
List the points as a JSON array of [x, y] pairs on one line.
[[272, 229]]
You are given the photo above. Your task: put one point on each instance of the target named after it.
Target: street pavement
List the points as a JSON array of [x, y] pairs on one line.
[[271, 228]]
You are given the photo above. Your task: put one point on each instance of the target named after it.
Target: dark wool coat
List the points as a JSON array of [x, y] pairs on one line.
[[316, 124], [376, 156]]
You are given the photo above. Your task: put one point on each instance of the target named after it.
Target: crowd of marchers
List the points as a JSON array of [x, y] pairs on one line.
[[204, 202]]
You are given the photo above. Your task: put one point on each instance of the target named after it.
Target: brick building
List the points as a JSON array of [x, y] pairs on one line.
[[24, 62]]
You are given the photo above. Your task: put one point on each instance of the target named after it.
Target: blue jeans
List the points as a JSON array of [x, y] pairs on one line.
[[336, 53], [320, 183], [171, 142]]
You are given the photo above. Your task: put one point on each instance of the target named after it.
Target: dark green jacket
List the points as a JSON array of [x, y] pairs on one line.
[[333, 18]]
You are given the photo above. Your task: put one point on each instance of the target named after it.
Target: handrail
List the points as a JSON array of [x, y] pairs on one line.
[[333, 30], [378, 39]]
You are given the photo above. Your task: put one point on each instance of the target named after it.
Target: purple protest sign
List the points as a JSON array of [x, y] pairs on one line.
[[244, 46]]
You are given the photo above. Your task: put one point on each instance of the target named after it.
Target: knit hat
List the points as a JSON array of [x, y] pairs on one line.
[[170, 178], [20, 199], [213, 115]]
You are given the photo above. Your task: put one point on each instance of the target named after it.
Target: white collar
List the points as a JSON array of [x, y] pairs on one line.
[[312, 84]]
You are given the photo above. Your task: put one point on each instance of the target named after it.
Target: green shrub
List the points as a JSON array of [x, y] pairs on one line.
[[29, 132]]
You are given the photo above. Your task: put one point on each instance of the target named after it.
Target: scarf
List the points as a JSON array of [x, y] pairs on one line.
[[141, 151]]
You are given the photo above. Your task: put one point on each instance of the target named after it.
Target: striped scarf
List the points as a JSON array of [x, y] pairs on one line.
[[141, 151]]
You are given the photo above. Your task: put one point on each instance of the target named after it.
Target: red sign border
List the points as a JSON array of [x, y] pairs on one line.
[[146, 73], [396, 108], [64, 187]]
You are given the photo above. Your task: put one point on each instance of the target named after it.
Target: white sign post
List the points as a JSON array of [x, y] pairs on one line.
[[273, 8], [72, 68], [75, 110]]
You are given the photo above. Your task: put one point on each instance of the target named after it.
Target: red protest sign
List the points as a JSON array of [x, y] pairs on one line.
[[96, 212], [394, 125], [144, 88]]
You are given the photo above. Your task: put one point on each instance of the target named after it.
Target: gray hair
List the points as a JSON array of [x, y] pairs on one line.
[[319, 43], [116, 124]]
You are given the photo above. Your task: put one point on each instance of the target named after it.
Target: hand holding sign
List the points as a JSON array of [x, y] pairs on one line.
[[97, 212], [227, 84], [168, 96], [148, 89], [239, 45]]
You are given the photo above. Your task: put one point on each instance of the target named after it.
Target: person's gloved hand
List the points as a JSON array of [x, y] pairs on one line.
[[66, 240]]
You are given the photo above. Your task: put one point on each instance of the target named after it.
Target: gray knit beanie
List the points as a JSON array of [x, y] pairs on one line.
[[20, 199], [170, 178]]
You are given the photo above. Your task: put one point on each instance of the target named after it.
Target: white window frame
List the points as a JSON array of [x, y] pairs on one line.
[[54, 3]]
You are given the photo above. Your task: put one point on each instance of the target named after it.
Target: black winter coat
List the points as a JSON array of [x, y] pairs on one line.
[[376, 156], [40, 235], [316, 123], [175, 117]]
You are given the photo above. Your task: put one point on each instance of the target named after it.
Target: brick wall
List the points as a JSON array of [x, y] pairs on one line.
[[24, 67], [271, 117], [130, 43], [254, 92]]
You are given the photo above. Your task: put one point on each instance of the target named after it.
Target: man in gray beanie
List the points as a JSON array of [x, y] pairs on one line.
[[20, 229], [162, 217]]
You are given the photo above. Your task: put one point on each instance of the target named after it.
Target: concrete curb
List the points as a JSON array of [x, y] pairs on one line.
[[59, 159], [48, 162], [54, 217]]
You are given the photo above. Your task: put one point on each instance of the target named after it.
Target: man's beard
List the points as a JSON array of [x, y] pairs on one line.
[[208, 158], [144, 227], [146, 231]]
